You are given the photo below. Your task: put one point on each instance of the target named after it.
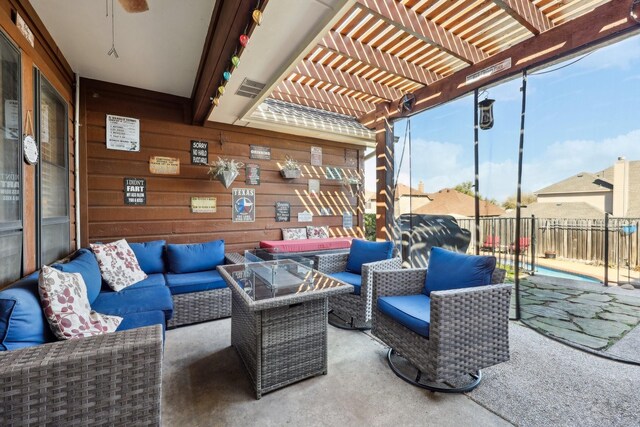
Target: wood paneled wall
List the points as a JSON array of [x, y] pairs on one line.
[[164, 131]]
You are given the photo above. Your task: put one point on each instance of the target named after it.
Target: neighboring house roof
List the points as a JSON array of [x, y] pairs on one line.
[[451, 202], [584, 182], [577, 210], [404, 190]]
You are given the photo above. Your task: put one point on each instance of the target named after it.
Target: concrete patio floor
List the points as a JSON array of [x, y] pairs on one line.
[[545, 383]]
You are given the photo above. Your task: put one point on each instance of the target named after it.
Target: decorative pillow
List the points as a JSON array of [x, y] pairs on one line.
[[118, 264], [452, 270], [294, 233], [364, 252], [66, 306], [194, 257], [317, 232]]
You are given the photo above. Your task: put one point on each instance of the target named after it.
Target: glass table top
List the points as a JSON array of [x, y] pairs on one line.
[[261, 254], [271, 279]]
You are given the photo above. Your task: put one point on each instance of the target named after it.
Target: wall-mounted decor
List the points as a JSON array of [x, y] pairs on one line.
[[123, 133], [259, 152], [351, 157], [225, 170], [290, 169], [314, 187], [244, 205], [283, 212], [24, 29], [252, 174], [135, 191], [347, 220], [160, 165], [333, 173], [199, 152], [203, 204], [316, 156], [325, 211], [305, 216]]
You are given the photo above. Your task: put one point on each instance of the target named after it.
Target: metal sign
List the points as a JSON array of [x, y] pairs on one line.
[[203, 204], [489, 71], [305, 216], [199, 152], [347, 220], [314, 187], [252, 174], [123, 133], [135, 191], [283, 212], [244, 205], [259, 152], [164, 165]]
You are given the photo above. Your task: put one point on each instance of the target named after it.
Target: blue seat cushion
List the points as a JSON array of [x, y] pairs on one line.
[[364, 252], [150, 255], [127, 301], [22, 321], [152, 280], [195, 257], [350, 278], [85, 263], [411, 311], [141, 319], [451, 270], [194, 282]]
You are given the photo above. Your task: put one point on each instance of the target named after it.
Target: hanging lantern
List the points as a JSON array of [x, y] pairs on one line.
[[257, 16], [406, 103], [486, 113], [235, 60], [244, 39], [221, 90], [226, 75]]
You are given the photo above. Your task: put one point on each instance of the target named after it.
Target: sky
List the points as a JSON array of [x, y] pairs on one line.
[[579, 118]]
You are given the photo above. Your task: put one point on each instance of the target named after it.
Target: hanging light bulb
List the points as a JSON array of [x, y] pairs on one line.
[[226, 75], [257, 16], [244, 39], [221, 90], [486, 113], [235, 60], [216, 101]]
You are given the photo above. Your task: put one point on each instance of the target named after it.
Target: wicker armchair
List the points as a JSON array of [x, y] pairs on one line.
[[111, 379], [354, 310], [468, 330]]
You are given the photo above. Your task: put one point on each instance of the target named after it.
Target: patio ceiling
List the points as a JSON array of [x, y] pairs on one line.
[[380, 50]]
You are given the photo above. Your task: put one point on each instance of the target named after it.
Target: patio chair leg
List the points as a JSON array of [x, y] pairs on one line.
[[337, 322], [476, 378]]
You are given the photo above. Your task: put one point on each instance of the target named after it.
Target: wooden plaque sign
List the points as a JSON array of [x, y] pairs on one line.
[[199, 152], [164, 165], [252, 174], [203, 204], [135, 191], [259, 152], [283, 211]]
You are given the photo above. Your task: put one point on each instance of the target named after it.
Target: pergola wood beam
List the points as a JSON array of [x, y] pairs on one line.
[[418, 26], [603, 23], [351, 81], [320, 98], [377, 58], [527, 15]]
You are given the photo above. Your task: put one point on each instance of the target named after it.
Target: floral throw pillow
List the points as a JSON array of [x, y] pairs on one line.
[[294, 233], [317, 232], [118, 264], [66, 306]]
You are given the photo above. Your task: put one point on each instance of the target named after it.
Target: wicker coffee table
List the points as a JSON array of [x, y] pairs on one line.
[[279, 320]]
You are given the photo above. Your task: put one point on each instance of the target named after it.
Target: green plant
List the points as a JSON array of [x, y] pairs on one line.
[[351, 180], [370, 226], [291, 164], [224, 165]]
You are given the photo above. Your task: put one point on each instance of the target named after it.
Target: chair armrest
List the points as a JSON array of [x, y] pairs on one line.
[[233, 258], [107, 379], [369, 268], [398, 282], [331, 263]]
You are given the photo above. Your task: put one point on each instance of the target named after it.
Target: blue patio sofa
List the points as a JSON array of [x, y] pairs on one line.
[[112, 379]]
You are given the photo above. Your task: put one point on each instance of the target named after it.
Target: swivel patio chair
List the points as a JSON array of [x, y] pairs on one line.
[[448, 321], [353, 311]]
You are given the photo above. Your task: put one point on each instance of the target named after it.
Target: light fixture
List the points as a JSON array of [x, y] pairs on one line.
[[113, 50], [486, 113]]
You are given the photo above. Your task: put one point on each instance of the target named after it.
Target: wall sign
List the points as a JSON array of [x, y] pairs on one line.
[[123, 133], [203, 205], [25, 30], [199, 152], [489, 71], [244, 205], [283, 212], [259, 152], [252, 174], [316, 156], [314, 187], [305, 216], [135, 191], [351, 157], [164, 165], [347, 220]]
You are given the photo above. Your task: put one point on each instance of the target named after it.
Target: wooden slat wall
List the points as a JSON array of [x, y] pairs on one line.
[[164, 131]]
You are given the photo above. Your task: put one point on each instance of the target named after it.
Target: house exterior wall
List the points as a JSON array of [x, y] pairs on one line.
[[600, 200]]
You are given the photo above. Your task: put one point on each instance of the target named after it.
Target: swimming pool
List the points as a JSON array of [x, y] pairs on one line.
[[552, 272]]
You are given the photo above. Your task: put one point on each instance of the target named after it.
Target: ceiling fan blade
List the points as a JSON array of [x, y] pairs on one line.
[[134, 6]]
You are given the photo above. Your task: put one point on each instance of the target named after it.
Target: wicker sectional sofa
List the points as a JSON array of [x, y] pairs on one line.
[[112, 379]]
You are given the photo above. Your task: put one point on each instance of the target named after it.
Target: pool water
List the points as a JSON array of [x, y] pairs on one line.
[[544, 271]]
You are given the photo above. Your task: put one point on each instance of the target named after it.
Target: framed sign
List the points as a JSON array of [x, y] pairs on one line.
[[316, 156], [203, 204], [199, 152], [123, 133], [164, 165], [314, 187], [259, 152], [252, 174], [305, 216], [244, 205], [283, 212], [135, 191], [351, 157], [347, 220]]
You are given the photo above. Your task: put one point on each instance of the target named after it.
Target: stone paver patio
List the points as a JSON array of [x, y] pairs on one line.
[[586, 315]]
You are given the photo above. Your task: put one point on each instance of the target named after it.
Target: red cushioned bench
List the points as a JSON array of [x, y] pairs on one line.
[[306, 245]]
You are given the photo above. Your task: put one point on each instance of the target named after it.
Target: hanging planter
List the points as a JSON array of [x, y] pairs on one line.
[[290, 169], [225, 171]]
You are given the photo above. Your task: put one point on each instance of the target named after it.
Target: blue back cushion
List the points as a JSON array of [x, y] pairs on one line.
[[452, 270], [86, 264], [364, 252], [149, 255], [195, 257], [22, 322]]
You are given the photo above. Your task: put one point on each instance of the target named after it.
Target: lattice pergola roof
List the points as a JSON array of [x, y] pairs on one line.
[[382, 49]]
